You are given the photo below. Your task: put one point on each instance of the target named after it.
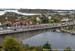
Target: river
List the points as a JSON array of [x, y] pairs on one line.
[[16, 11], [56, 39]]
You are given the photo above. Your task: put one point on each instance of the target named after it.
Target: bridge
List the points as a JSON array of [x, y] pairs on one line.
[[24, 32], [35, 27]]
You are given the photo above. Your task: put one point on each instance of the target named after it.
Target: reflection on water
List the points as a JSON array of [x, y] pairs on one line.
[[57, 40]]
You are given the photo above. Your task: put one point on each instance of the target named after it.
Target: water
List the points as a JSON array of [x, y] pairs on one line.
[[57, 40], [16, 11]]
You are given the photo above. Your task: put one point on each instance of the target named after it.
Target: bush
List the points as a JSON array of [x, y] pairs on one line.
[[47, 46], [11, 44], [67, 49]]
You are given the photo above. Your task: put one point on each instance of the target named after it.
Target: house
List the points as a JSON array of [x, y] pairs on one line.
[[7, 23], [0, 23], [65, 19]]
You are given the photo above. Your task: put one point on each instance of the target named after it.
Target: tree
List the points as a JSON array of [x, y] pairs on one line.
[[11, 44], [47, 46], [44, 19], [67, 49], [0, 49], [56, 18]]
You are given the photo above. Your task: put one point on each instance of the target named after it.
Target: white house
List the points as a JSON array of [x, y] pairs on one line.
[[0, 23], [49, 17], [38, 19], [65, 19]]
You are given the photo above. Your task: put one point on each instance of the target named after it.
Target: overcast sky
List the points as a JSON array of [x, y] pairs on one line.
[[36, 4]]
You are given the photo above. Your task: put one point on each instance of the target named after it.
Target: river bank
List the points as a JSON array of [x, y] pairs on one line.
[[68, 31], [72, 32]]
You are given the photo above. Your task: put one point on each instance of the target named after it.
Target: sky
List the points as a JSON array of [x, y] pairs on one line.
[[38, 4]]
